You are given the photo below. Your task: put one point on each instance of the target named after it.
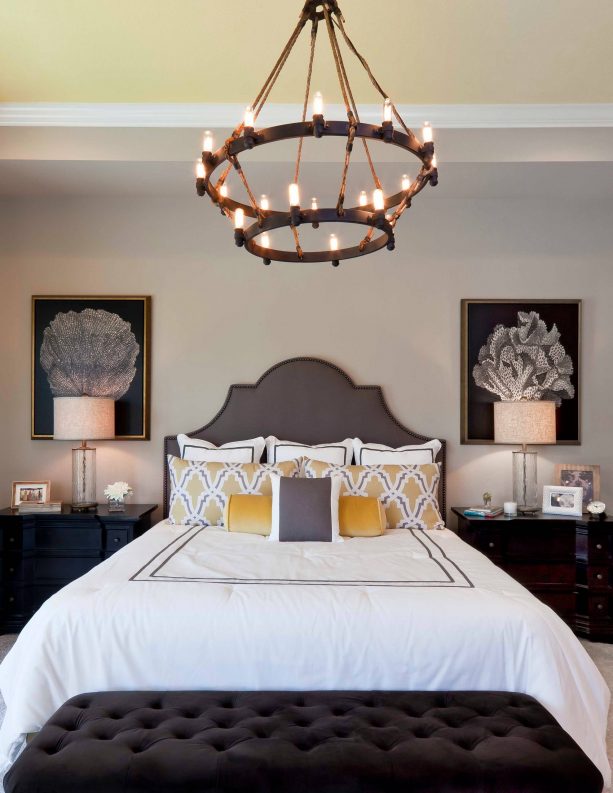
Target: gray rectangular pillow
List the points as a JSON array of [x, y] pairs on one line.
[[304, 513]]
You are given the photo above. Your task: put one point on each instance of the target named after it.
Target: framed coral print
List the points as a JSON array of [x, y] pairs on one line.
[[520, 349], [92, 346]]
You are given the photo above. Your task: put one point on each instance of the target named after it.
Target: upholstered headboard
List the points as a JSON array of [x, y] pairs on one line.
[[307, 400]]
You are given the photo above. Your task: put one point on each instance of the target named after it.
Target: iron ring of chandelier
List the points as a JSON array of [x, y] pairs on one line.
[[268, 220], [379, 216]]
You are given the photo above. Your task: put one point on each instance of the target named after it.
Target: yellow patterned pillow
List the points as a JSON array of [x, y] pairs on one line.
[[407, 492], [199, 491]]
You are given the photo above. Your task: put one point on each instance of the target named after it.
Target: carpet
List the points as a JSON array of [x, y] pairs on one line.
[[602, 654]]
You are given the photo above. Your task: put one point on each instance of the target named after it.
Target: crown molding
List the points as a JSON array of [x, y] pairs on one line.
[[224, 116]]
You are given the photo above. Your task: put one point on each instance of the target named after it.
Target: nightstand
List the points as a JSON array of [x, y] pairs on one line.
[[41, 553], [566, 562]]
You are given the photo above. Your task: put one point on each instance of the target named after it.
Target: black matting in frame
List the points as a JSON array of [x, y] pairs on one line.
[[479, 318], [132, 410]]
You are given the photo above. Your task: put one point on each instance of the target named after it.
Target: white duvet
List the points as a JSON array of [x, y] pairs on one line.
[[190, 608]]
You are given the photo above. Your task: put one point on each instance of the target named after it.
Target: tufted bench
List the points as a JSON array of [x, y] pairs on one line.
[[302, 742]]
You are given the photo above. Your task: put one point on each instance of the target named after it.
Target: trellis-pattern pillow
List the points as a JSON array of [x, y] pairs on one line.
[[199, 491], [409, 493]]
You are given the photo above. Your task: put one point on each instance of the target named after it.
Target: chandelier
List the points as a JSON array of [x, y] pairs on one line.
[[378, 213]]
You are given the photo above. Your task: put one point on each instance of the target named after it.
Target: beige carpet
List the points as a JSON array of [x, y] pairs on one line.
[[601, 653]]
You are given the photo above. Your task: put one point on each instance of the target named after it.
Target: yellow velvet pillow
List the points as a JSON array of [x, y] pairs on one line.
[[358, 516]]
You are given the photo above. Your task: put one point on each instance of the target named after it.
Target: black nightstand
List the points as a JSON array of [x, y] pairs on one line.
[[39, 554], [566, 562]]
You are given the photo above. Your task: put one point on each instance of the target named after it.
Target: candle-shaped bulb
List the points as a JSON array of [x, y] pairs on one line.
[[239, 218], [264, 203], [223, 191], [314, 206], [434, 161], [377, 200], [249, 119], [207, 143], [333, 242], [318, 104], [406, 182], [265, 240], [294, 195], [387, 110], [363, 199], [426, 132], [200, 169]]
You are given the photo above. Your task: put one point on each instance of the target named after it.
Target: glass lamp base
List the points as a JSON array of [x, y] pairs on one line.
[[524, 481], [83, 478]]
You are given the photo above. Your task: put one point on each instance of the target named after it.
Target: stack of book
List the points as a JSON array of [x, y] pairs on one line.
[[26, 508], [483, 512]]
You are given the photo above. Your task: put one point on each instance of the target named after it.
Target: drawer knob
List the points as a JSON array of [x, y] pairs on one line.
[[11, 600], [599, 576], [116, 539], [11, 569], [600, 606], [11, 539], [491, 544], [599, 546]]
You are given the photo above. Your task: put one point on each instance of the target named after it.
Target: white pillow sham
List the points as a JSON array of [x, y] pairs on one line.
[[339, 453], [235, 452], [378, 454]]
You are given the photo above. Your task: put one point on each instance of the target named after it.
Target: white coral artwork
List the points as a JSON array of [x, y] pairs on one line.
[[525, 362], [89, 353]]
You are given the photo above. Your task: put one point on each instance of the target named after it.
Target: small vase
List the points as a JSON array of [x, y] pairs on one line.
[[116, 504]]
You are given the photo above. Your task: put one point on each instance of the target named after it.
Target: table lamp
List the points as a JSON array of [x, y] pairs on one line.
[[81, 419], [524, 422]]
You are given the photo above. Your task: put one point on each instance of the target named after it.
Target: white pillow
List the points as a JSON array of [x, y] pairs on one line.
[[235, 452], [335, 453], [296, 528], [378, 454]]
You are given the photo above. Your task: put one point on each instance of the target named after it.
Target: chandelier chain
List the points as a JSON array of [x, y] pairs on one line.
[[306, 94], [262, 96], [336, 50]]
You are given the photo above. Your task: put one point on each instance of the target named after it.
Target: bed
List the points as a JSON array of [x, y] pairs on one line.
[[189, 608]]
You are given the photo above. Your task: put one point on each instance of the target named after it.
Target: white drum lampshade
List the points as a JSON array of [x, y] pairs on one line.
[[82, 419], [525, 422]]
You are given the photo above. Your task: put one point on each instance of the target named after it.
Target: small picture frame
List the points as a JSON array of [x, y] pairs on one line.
[[585, 476], [37, 492], [559, 500]]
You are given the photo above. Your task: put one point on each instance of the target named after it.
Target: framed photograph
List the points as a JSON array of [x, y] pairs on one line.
[[558, 500], [30, 492], [94, 346], [584, 476], [520, 349]]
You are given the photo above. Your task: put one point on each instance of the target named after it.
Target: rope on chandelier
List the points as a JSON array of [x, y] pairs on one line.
[[244, 137]]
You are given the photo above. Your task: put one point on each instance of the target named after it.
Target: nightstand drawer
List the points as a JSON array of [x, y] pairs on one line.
[[540, 573], [598, 552], [598, 577], [67, 538], [540, 541], [14, 568], [59, 568], [116, 539]]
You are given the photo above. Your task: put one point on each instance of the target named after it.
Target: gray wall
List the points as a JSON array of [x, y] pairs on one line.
[[219, 316]]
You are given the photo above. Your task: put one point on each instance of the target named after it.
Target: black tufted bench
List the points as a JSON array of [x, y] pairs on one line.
[[306, 742]]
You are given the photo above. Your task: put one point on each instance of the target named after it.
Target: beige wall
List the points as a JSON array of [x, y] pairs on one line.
[[219, 316]]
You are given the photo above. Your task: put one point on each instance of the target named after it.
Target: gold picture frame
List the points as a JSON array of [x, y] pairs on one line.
[[37, 491], [132, 413], [479, 317], [575, 475]]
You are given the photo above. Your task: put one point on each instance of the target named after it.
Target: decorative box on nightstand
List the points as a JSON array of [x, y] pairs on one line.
[[565, 562], [41, 553]]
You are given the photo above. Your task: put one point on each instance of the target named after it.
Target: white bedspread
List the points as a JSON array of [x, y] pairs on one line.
[[187, 608]]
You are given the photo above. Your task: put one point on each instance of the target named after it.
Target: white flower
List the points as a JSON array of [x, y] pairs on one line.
[[118, 490]]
